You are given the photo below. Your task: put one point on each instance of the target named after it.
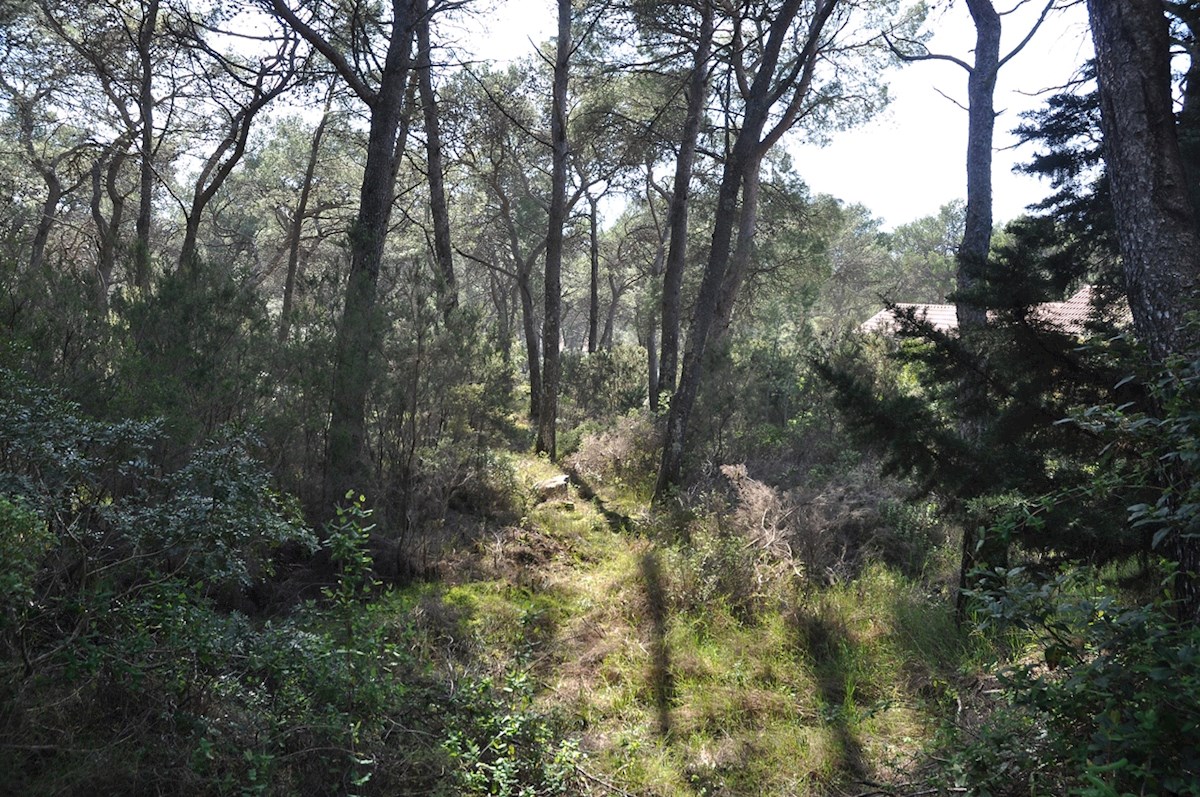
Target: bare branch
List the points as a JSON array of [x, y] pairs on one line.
[[947, 96], [1029, 35], [322, 45], [923, 56]]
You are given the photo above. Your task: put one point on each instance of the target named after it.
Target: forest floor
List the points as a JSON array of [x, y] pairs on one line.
[[685, 663]]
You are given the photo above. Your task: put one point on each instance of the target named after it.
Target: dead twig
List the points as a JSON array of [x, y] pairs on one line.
[[613, 788]]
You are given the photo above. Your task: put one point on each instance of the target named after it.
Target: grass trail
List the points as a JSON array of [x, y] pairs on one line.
[[677, 683]]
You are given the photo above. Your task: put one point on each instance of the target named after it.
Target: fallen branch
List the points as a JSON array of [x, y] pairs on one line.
[[602, 782]]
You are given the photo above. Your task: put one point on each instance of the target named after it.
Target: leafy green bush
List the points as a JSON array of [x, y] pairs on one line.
[[1111, 706], [607, 382], [500, 744], [622, 455], [717, 565]]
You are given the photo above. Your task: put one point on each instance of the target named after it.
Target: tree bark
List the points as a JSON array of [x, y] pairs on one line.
[[141, 254], [1155, 220], [677, 217], [615, 292], [108, 230], [347, 466], [1188, 14], [981, 125], [744, 154], [523, 266], [219, 166], [1156, 223], [54, 194], [594, 285], [447, 285], [551, 353], [296, 231], [740, 264], [532, 342]]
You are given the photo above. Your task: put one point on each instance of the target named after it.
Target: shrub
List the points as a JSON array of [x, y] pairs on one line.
[[500, 744], [607, 382], [624, 454], [1111, 706]]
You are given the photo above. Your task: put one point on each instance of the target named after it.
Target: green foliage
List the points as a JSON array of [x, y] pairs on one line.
[[24, 541], [913, 539], [607, 382], [218, 516], [1000, 446], [620, 456], [760, 400], [196, 353], [1111, 706], [1157, 455], [718, 566], [922, 262], [443, 397], [500, 744], [54, 330]]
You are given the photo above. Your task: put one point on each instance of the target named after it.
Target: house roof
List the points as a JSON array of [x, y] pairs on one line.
[[1070, 316], [944, 317]]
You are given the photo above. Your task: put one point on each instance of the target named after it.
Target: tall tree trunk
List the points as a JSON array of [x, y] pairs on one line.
[[677, 217], [447, 285], [108, 230], [532, 342], [503, 294], [1156, 223], [702, 320], [972, 255], [1189, 113], [296, 230], [347, 467], [54, 194], [742, 156], [740, 264], [594, 285], [981, 125], [551, 351], [749, 146], [523, 266], [652, 360], [655, 303], [615, 292], [141, 253], [1155, 219]]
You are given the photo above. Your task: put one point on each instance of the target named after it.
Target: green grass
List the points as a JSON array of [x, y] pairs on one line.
[[676, 688]]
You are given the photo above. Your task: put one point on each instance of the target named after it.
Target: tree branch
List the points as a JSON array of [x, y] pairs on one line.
[[925, 56], [1029, 35], [322, 45]]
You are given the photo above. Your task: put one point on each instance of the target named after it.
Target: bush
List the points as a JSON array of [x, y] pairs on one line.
[[605, 383], [624, 454], [499, 744], [1111, 706]]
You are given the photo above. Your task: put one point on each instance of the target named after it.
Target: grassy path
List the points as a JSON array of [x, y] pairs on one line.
[[701, 668]]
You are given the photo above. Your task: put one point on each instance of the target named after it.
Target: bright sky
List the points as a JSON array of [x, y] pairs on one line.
[[911, 160]]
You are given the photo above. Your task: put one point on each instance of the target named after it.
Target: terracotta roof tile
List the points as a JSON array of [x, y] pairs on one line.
[[1071, 316]]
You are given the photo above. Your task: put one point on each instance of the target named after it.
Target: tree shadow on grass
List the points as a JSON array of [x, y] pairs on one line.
[[661, 681], [826, 646], [616, 521]]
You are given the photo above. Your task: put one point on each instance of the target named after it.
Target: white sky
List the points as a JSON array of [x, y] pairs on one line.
[[911, 160]]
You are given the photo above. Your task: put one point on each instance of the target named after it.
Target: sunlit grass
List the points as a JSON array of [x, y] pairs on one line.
[[803, 690]]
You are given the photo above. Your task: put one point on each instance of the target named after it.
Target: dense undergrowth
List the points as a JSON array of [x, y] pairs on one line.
[[785, 626], [581, 645]]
